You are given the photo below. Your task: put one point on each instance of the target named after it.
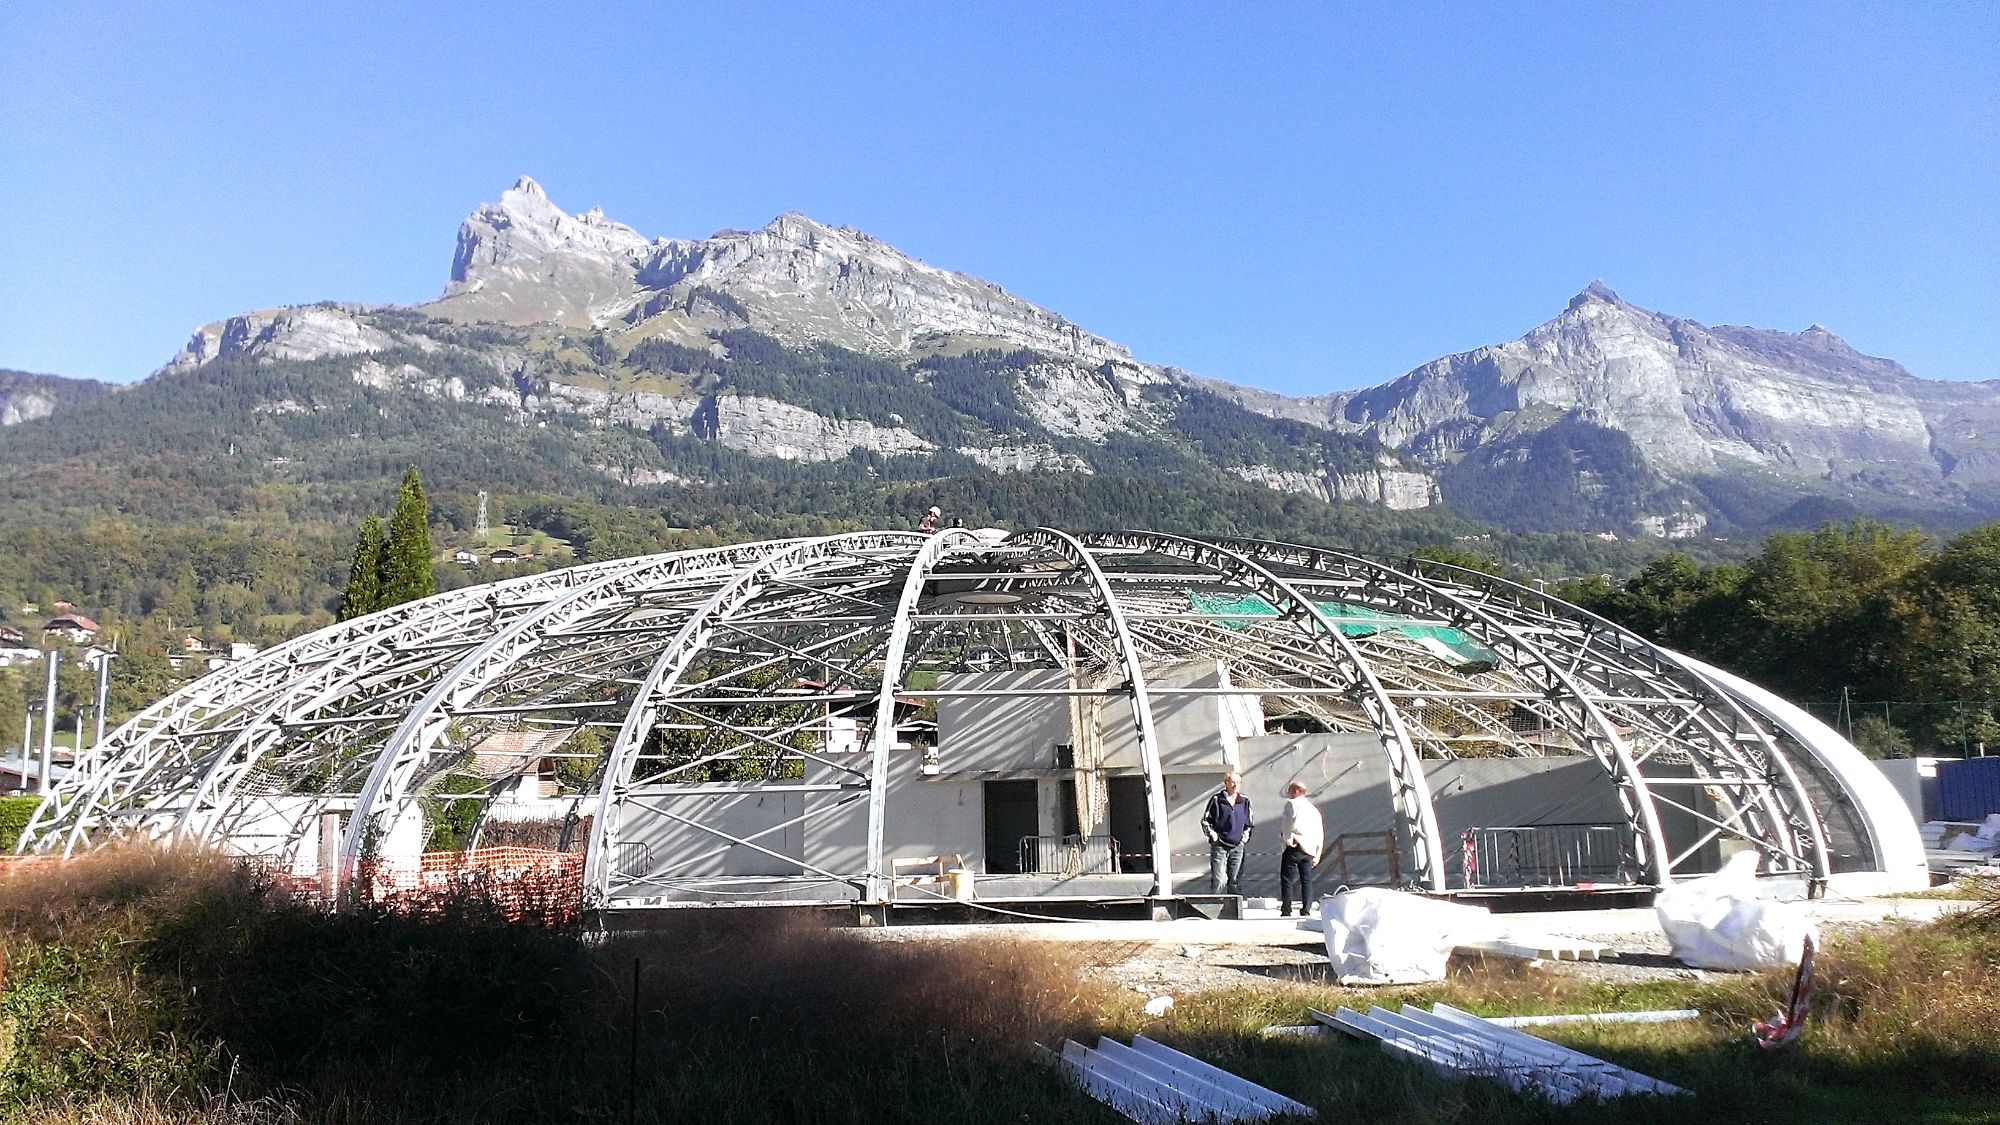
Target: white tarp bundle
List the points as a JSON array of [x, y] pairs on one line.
[[1377, 936], [1985, 841], [1718, 922]]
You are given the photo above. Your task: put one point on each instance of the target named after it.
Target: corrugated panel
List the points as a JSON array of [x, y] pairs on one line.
[[1459, 1043], [1968, 790], [1154, 1084]]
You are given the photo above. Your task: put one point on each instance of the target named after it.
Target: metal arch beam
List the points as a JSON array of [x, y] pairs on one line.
[[666, 671], [884, 735], [1611, 749], [1796, 813], [411, 745], [133, 755], [150, 737], [1412, 795], [1781, 833], [1142, 704]]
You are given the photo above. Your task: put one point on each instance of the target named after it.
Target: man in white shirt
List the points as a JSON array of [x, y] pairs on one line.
[[1305, 835]]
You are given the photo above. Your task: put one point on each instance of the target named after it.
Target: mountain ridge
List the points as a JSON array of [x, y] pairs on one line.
[[1617, 417]]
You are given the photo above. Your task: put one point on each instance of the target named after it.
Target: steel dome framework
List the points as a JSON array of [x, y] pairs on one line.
[[734, 660]]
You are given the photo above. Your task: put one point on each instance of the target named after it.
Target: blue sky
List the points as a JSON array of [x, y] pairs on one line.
[[1304, 201]]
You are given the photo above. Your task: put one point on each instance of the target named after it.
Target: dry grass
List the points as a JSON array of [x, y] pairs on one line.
[[147, 987], [1904, 1028]]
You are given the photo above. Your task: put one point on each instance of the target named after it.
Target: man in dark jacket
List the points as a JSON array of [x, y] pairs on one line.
[[1226, 823]]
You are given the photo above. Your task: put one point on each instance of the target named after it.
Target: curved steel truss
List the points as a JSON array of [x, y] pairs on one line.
[[796, 674]]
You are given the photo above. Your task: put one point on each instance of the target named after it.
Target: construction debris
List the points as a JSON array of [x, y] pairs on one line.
[[1535, 947], [1781, 1029], [1287, 1030], [1283, 1031], [1719, 922], [1460, 1043], [1662, 1016], [1376, 936], [1154, 1084]]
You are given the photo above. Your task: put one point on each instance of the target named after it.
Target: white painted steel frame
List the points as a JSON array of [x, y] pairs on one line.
[[367, 713]]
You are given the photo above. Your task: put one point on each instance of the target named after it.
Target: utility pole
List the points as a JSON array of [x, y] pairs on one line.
[[103, 695], [48, 725]]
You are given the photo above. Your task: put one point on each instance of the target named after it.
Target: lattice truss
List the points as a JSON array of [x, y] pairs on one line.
[[717, 667]]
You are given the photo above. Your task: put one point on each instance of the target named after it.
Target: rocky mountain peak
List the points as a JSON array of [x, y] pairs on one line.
[[1595, 291], [523, 229], [1818, 335], [522, 260]]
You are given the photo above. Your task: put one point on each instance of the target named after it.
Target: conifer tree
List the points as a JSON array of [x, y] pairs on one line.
[[363, 592], [406, 561]]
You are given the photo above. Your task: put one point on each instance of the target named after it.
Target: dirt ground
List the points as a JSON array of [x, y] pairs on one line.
[[1183, 957]]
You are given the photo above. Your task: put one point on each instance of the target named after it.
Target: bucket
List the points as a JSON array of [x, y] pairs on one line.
[[958, 882]]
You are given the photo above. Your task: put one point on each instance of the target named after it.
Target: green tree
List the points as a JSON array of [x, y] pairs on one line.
[[406, 560], [364, 590]]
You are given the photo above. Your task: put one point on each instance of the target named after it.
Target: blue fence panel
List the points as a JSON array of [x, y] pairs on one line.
[[1968, 789]]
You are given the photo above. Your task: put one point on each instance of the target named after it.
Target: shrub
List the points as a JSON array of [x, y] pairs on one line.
[[15, 812]]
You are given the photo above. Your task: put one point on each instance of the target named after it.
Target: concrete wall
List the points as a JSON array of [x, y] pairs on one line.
[[924, 816], [1915, 780], [995, 734], [1346, 775], [651, 842], [1348, 778], [1198, 733], [998, 736]]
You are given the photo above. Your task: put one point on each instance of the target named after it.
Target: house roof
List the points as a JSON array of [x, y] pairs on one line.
[[71, 621], [511, 753]]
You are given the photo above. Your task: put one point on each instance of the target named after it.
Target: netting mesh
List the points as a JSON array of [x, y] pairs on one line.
[[1241, 610]]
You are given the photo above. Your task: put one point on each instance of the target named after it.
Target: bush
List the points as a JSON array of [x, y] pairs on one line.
[[15, 812]]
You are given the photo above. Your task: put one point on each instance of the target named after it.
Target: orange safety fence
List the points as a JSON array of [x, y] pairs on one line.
[[522, 882]]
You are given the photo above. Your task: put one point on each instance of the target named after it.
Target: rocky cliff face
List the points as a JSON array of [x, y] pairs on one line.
[[28, 397], [803, 281], [305, 333], [524, 261], [1704, 407], [1608, 417]]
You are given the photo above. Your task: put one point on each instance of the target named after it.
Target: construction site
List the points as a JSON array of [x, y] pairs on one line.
[[969, 734]]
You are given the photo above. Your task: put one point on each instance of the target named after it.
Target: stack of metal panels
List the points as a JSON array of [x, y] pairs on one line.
[[1460, 1043], [1154, 1084]]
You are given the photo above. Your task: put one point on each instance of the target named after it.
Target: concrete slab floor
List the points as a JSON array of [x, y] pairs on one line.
[[1263, 926], [1264, 950]]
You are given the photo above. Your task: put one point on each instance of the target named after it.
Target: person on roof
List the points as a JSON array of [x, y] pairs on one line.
[[929, 523]]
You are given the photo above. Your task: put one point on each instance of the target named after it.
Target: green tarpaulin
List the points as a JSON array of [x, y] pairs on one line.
[[1240, 611]]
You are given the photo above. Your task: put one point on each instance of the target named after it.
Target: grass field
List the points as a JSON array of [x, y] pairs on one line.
[[171, 986]]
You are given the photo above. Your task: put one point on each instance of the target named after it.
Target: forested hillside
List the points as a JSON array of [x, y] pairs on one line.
[[221, 500], [1890, 635]]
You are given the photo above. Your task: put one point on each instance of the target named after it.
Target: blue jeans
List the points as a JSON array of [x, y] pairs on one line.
[[1225, 869]]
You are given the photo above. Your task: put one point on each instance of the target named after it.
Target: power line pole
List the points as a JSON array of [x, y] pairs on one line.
[[48, 725], [103, 695]]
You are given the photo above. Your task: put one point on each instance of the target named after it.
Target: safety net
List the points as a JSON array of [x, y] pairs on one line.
[[1241, 609]]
